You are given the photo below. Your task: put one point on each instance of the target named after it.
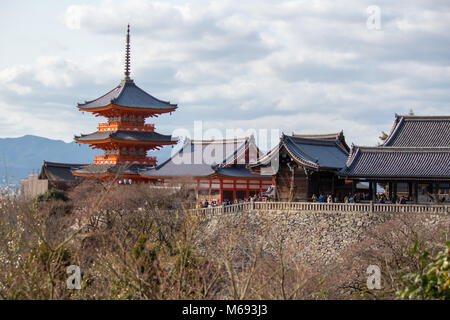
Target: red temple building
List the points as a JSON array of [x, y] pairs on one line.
[[125, 138], [215, 168]]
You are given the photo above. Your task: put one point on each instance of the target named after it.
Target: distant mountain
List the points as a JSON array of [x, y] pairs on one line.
[[21, 156]]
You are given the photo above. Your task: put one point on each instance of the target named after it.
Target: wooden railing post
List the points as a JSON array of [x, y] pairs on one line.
[[327, 207]]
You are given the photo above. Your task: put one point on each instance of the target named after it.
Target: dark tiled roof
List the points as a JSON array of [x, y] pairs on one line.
[[315, 152], [338, 136], [59, 172], [171, 169], [397, 162], [321, 136], [310, 152], [200, 158], [125, 136], [239, 172], [128, 94], [93, 169], [419, 131]]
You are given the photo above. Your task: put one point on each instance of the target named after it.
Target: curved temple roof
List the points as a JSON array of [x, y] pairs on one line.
[[126, 136], [419, 131], [201, 158], [311, 152], [128, 95], [398, 162], [417, 148], [339, 136], [55, 171], [112, 169]]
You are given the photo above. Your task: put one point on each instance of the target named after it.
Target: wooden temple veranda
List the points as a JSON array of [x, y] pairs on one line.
[[306, 165], [414, 160]]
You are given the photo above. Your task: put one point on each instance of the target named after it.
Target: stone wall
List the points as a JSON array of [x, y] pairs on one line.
[[33, 186], [316, 237]]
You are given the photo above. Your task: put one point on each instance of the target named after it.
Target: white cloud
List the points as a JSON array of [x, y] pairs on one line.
[[9, 76], [303, 65], [424, 21]]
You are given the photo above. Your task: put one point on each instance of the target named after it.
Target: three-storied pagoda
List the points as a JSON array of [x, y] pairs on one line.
[[125, 137]]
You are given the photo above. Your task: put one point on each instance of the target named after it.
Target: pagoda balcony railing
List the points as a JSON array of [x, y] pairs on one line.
[[126, 126], [128, 160]]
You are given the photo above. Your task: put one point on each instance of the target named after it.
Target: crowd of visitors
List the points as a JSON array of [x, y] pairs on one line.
[[322, 198], [358, 197], [216, 203]]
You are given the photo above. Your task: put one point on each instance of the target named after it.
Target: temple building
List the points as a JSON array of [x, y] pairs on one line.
[[215, 168], [53, 175], [59, 175], [125, 138], [306, 165], [413, 161]]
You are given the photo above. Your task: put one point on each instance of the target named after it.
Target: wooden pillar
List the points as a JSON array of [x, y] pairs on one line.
[[410, 190], [209, 192], [395, 191], [436, 191], [318, 183], [354, 182], [333, 186], [274, 183], [221, 191], [391, 194], [247, 192], [416, 192], [370, 190], [374, 191], [291, 185], [308, 189], [198, 189]]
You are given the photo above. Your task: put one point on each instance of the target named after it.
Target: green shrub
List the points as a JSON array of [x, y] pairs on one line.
[[432, 281], [52, 194]]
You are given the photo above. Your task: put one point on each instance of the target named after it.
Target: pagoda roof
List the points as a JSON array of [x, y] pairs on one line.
[[309, 152], [398, 162], [58, 172], [192, 160], [126, 136], [113, 169], [419, 131], [128, 95]]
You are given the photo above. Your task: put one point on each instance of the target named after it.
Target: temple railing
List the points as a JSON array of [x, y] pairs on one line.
[[121, 159], [329, 207], [126, 126]]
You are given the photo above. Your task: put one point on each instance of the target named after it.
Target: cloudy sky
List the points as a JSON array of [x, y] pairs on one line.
[[303, 66]]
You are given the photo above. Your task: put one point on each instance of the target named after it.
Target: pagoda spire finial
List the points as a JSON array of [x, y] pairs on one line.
[[127, 55]]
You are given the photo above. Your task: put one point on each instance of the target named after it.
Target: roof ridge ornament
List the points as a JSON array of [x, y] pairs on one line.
[[127, 55]]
